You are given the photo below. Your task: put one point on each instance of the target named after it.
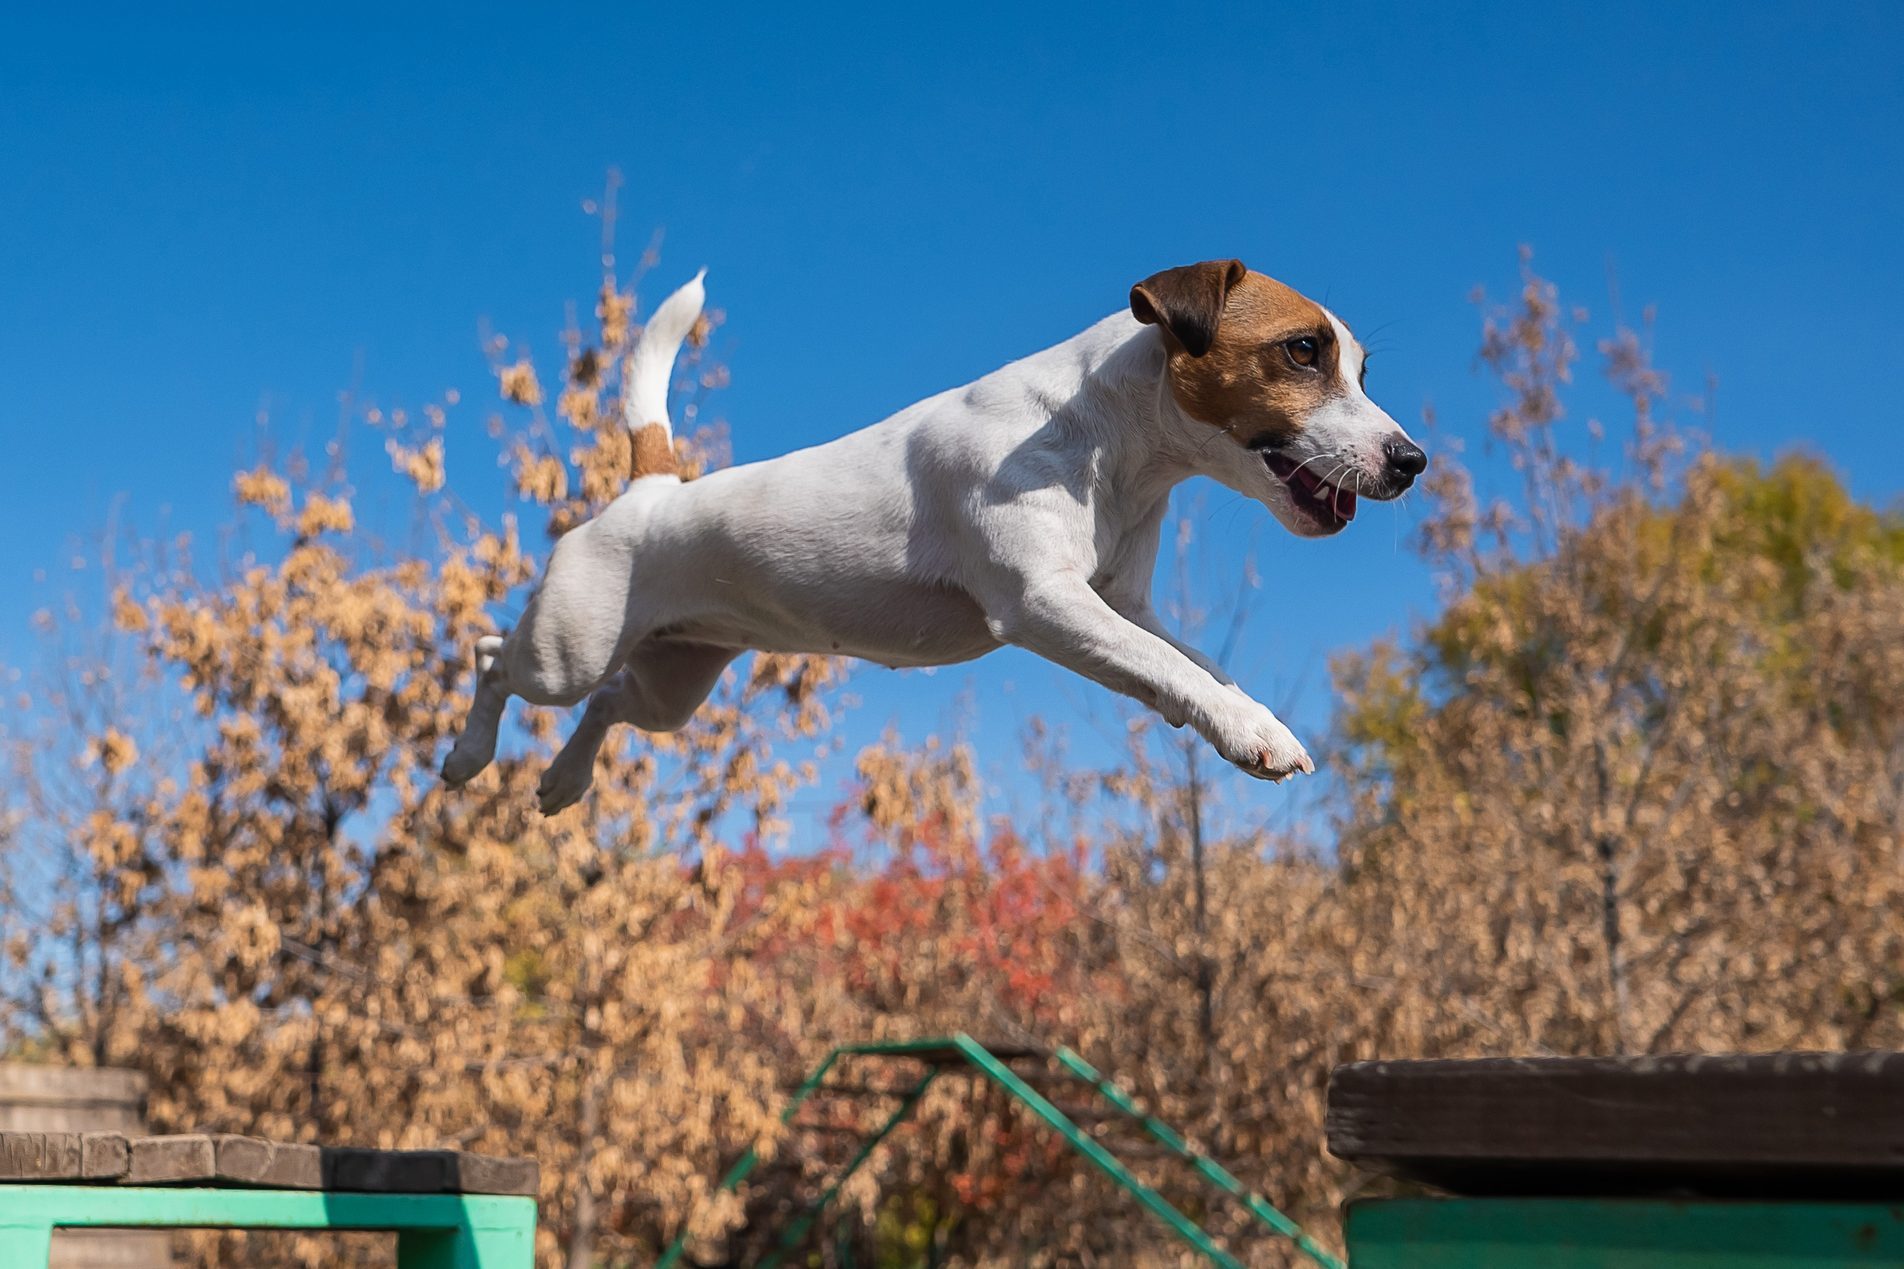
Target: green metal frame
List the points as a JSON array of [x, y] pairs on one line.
[[1513, 1233], [966, 1051], [434, 1231]]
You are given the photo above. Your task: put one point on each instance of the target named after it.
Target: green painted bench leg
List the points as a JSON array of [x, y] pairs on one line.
[[464, 1248], [26, 1245]]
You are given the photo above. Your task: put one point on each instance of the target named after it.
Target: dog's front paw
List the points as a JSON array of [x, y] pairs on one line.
[[1256, 740], [563, 785]]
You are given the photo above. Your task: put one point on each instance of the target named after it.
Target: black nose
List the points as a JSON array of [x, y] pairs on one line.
[[1404, 457]]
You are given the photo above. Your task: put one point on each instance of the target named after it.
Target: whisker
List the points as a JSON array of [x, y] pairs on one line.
[[1335, 499], [1332, 454], [1329, 480], [1214, 434]]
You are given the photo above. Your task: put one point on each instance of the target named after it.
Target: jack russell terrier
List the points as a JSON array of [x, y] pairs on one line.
[[1023, 508]]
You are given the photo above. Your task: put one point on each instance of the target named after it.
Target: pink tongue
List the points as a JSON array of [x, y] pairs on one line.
[[1339, 500]]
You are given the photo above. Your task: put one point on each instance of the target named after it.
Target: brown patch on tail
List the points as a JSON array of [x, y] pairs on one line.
[[654, 452]]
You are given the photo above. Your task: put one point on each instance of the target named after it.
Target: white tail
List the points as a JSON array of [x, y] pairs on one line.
[[651, 364]]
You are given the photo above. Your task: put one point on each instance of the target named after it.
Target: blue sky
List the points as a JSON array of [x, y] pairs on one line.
[[209, 211]]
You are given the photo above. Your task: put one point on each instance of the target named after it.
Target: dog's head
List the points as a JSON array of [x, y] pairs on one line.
[[1280, 380]]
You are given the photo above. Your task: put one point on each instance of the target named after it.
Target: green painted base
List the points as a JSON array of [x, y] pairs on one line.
[[1621, 1234], [434, 1231]]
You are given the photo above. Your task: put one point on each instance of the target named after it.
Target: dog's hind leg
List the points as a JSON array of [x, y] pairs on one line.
[[573, 770], [476, 747], [659, 690], [674, 678]]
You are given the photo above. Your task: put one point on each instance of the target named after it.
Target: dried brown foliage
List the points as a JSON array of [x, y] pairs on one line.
[[1636, 787]]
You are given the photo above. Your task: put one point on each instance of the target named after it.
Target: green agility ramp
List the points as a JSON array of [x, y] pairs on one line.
[[961, 1055]]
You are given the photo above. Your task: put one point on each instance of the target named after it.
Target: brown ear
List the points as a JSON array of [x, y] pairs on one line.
[[1187, 301]]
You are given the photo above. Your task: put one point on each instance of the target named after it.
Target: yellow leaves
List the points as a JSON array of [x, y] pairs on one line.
[[251, 934], [261, 487], [111, 842], [324, 515], [581, 407], [113, 751], [519, 384], [423, 464], [127, 613], [615, 310], [928, 792], [604, 463], [541, 478], [465, 590]]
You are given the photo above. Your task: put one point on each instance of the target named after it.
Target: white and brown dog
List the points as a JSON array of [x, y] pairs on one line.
[[1024, 508]]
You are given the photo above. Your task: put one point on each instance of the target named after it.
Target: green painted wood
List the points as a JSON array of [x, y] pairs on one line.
[[1507, 1233], [26, 1244], [434, 1231], [466, 1248]]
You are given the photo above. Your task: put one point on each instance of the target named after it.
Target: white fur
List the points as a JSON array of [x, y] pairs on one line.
[[652, 360], [1023, 508], [1345, 437]]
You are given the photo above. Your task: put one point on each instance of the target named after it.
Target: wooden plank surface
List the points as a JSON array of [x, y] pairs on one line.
[[32, 1156], [273, 1165], [426, 1172], [231, 1161], [1787, 1124], [104, 1156], [172, 1161], [62, 1156], [224, 1159]]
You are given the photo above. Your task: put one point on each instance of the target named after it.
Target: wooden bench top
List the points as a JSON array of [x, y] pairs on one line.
[[221, 1160], [1777, 1124]]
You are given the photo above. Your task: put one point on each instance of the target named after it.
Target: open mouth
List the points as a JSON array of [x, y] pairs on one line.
[[1330, 506]]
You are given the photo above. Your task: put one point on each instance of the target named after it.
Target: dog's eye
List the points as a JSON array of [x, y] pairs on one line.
[[1302, 351]]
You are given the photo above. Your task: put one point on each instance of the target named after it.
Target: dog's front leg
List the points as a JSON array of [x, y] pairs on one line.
[[1063, 620], [1140, 614]]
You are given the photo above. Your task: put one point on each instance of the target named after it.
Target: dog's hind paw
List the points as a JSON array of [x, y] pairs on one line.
[[562, 786], [466, 761]]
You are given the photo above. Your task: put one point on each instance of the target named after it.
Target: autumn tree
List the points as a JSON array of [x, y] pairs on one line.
[[293, 929], [1638, 787], [1635, 785]]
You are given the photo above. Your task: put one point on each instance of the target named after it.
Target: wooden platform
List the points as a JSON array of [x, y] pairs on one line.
[[1788, 1125], [223, 1160]]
